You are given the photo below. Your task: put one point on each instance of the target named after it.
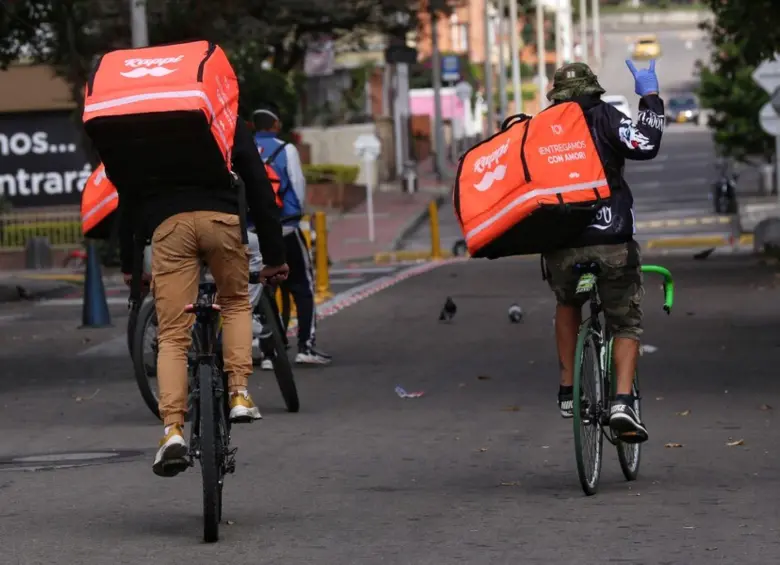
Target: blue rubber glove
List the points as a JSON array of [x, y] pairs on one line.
[[645, 80]]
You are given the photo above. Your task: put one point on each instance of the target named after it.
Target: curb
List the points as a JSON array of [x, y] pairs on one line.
[[407, 255]]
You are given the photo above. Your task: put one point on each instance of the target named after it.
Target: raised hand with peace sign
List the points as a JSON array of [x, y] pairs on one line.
[[645, 80]]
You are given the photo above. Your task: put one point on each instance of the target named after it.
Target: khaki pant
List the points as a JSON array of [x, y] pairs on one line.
[[180, 243]]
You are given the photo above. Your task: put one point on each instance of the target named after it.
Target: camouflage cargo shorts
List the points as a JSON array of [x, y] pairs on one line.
[[619, 283]]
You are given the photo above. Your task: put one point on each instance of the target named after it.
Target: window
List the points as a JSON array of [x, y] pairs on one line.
[[459, 35]]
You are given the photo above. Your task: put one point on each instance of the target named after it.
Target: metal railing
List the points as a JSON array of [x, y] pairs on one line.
[[62, 228]]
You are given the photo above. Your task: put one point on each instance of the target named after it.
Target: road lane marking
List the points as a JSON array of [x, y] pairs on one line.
[[670, 223]]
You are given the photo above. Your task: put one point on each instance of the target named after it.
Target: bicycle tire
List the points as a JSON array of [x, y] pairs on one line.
[[211, 454], [589, 472], [146, 316], [281, 361], [132, 318], [630, 454]]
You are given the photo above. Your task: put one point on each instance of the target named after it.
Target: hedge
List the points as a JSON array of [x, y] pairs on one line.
[[323, 174]]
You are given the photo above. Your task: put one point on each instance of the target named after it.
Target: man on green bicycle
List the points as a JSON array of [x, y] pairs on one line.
[[608, 241]]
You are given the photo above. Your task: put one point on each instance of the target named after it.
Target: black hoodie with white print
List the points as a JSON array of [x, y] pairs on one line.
[[618, 138]]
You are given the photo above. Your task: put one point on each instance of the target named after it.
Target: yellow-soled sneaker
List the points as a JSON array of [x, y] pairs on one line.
[[242, 409], [171, 457]]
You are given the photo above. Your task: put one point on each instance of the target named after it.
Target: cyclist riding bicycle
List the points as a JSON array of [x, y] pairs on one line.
[[186, 227], [285, 165], [608, 241]]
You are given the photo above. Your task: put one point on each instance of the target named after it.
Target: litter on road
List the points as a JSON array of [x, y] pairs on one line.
[[399, 390]]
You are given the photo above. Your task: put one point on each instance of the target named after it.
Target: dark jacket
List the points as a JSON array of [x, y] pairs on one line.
[[142, 212], [617, 138]]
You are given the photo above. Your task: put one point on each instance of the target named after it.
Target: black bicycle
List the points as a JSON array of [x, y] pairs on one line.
[[273, 343]]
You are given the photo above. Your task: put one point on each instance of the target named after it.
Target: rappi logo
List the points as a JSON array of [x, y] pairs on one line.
[[150, 67], [485, 165]]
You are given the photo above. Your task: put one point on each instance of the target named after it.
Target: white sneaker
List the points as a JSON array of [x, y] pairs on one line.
[[311, 356], [267, 365], [170, 458]]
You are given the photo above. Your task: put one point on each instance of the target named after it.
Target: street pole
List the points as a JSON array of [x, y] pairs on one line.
[[140, 34], [541, 53], [501, 40], [437, 118], [777, 166], [595, 16], [584, 30], [515, 46], [558, 36], [567, 42], [489, 72]]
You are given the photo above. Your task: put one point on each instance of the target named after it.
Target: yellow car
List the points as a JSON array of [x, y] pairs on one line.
[[647, 47]]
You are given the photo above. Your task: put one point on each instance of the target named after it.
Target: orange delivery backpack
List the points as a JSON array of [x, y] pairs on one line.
[[99, 201], [532, 187], [164, 117]]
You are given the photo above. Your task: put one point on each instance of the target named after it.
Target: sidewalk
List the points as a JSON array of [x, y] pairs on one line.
[[396, 215]]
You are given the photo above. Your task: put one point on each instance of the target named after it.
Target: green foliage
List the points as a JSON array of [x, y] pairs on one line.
[[77, 31], [727, 88], [753, 25], [339, 174]]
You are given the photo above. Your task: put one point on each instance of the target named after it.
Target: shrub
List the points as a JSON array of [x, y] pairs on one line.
[[339, 174]]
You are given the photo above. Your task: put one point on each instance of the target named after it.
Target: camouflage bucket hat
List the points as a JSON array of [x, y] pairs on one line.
[[574, 79]]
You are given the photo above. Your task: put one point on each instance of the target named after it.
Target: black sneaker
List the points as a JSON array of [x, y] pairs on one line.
[[566, 404], [310, 356], [625, 423]]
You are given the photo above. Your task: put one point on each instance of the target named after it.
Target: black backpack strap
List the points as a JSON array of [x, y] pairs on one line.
[[242, 206], [276, 152]]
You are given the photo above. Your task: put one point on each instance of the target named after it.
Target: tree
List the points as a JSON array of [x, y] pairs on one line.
[[753, 25], [726, 83], [68, 34]]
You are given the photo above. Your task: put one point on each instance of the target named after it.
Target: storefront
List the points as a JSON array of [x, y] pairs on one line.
[[41, 160]]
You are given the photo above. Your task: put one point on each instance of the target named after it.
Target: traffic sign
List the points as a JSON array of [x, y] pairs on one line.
[[767, 74], [769, 119], [776, 101], [450, 68]]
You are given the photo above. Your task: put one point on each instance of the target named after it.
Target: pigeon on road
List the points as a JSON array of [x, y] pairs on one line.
[[448, 311]]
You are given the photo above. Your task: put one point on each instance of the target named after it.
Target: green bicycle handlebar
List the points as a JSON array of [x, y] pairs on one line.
[[668, 284]]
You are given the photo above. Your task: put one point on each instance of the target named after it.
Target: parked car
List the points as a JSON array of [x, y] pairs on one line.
[[647, 47], [619, 102], [682, 108]]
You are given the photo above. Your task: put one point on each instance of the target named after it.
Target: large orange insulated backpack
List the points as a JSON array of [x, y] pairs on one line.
[[164, 117], [531, 187]]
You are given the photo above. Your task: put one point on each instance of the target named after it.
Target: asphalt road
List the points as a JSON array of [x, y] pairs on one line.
[[477, 470]]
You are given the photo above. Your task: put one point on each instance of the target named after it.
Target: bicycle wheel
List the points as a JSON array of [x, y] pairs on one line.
[[211, 454], [277, 350], [588, 404], [630, 454], [144, 355]]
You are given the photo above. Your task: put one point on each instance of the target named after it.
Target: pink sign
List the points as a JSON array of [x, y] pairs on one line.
[[421, 103]]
